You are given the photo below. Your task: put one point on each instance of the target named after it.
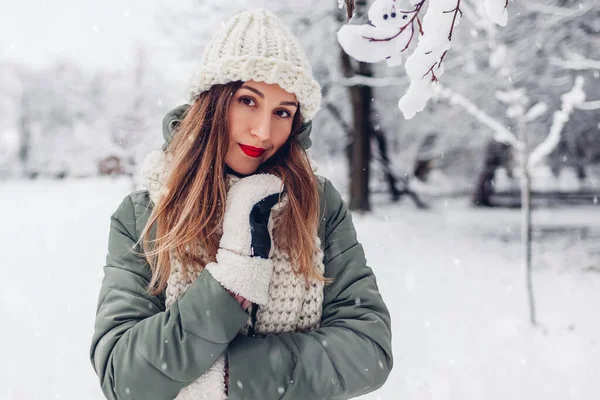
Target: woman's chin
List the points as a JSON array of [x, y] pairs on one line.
[[243, 169]]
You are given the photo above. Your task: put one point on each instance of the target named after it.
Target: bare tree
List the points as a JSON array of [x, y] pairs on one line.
[[517, 103]]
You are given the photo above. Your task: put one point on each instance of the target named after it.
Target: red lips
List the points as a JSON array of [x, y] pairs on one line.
[[252, 151]]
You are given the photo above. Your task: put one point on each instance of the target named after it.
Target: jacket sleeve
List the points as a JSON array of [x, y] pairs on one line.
[[140, 350], [348, 356]]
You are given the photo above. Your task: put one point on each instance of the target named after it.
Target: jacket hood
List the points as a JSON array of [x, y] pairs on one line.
[[175, 116], [170, 122]]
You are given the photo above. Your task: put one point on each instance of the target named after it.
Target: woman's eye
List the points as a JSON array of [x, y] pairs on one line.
[[247, 101], [283, 113]]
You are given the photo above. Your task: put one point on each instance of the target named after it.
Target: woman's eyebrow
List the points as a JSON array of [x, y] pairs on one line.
[[262, 96], [258, 92]]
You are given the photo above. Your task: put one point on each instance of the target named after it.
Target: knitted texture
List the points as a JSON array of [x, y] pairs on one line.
[[291, 306], [256, 45]]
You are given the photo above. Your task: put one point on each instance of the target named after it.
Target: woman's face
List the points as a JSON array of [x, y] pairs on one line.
[[260, 122]]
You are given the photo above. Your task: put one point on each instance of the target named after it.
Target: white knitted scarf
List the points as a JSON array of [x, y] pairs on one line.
[[292, 305]]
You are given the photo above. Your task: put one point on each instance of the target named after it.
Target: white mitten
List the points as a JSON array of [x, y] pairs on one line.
[[243, 265]]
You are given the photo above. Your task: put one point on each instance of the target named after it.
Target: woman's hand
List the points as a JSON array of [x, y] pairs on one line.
[[243, 302]]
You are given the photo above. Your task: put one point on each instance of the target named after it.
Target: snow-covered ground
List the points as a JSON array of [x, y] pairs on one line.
[[451, 276]]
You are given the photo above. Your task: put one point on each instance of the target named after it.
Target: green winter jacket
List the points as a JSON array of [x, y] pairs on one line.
[[141, 350]]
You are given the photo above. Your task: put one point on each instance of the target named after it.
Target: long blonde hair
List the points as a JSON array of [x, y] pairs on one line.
[[190, 212]]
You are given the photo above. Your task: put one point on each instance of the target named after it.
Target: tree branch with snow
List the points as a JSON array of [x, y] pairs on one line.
[[391, 30], [389, 33], [589, 105], [575, 61], [424, 66], [361, 80], [501, 133], [570, 100]]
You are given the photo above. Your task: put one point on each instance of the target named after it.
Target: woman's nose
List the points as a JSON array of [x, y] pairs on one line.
[[262, 127]]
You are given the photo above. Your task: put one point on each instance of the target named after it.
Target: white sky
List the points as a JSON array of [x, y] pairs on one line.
[[97, 34]]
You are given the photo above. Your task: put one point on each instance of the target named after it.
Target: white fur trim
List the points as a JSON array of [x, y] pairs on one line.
[[154, 170], [242, 196], [247, 276], [210, 386]]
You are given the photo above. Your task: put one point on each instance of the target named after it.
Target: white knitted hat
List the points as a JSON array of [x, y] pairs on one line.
[[256, 45]]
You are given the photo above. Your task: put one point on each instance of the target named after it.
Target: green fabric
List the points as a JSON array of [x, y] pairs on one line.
[[174, 117], [348, 356], [140, 350]]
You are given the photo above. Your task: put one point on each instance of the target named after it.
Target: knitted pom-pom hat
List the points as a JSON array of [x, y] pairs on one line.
[[256, 45]]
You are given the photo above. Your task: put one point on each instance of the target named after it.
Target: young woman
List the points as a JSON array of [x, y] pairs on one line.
[[237, 273]]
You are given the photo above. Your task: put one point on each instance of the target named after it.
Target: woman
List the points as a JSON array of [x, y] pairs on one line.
[[237, 273]]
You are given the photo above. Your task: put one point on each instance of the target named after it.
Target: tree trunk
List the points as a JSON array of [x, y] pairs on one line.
[[526, 232], [386, 165], [496, 155], [348, 72], [25, 138], [361, 143], [359, 146], [526, 222]]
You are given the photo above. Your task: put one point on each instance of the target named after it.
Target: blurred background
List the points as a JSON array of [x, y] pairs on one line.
[[83, 90]]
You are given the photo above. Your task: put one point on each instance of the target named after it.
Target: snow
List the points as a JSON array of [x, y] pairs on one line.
[[458, 305], [386, 37], [570, 100], [496, 11], [498, 56], [353, 40], [451, 277], [536, 111], [53, 240], [424, 66], [390, 32]]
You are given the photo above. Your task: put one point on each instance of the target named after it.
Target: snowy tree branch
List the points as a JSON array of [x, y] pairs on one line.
[[362, 80], [411, 21], [456, 10], [570, 100], [536, 111], [576, 62], [590, 105], [384, 39], [501, 133], [496, 11], [424, 66]]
